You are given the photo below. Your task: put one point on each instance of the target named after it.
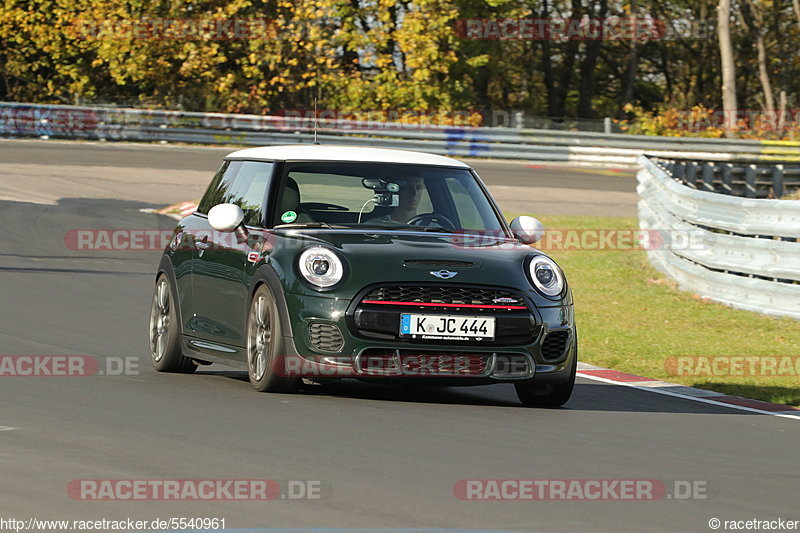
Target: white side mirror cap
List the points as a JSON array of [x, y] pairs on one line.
[[527, 229], [225, 217]]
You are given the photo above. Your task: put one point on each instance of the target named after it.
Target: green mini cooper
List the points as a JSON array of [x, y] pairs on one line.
[[327, 262]]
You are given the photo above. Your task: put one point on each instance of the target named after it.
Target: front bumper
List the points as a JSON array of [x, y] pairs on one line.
[[369, 356]]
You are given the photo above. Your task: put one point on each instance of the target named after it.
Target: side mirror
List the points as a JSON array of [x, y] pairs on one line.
[[527, 229], [227, 218]]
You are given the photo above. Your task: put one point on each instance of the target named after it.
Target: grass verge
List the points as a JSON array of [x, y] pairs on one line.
[[634, 319]]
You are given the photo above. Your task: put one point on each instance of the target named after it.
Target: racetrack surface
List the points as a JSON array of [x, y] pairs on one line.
[[171, 174], [388, 456]]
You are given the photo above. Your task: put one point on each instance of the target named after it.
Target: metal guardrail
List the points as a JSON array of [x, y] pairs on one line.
[[99, 123], [744, 252], [748, 178]]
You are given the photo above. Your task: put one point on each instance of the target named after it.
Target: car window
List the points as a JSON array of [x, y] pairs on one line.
[[388, 195], [341, 191], [469, 214], [243, 183]]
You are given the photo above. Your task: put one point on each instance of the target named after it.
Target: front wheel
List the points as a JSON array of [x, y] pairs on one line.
[[549, 394], [165, 347], [265, 344]]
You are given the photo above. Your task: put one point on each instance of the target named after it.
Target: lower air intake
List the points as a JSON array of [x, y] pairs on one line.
[[554, 345], [325, 337]]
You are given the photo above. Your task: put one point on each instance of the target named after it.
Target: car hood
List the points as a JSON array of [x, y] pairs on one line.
[[386, 257]]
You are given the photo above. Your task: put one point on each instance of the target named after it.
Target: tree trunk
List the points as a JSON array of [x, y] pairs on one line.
[[782, 113], [728, 70], [567, 66], [633, 64], [763, 75], [588, 67], [753, 19], [796, 6], [547, 67]]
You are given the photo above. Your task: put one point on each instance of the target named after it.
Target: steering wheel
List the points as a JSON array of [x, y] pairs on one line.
[[426, 219]]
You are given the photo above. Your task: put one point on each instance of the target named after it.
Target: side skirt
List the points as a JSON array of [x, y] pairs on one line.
[[201, 350]]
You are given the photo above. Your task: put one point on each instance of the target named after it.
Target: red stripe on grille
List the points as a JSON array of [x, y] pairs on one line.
[[432, 304]]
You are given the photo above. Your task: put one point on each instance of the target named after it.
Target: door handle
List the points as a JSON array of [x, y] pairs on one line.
[[202, 244]]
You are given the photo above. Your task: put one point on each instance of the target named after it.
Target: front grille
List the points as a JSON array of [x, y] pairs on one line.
[[325, 337], [449, 296], [554, 345]]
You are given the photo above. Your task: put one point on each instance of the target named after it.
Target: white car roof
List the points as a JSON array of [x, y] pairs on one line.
[[312, 152]]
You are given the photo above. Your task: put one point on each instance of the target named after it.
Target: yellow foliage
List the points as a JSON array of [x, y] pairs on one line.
[[119, 52], [700, 121]]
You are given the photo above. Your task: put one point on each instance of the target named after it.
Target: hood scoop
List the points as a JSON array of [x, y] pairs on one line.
[[438, 263]]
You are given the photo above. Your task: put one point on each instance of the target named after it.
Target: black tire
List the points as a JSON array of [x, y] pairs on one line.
[[165, 346], [549, 394], [265, 344]]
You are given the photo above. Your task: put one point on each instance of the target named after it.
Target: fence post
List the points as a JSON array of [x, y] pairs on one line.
[[750, 181], [727, 178], [708, 177], [777, 181], [679, 173], [691, 174]]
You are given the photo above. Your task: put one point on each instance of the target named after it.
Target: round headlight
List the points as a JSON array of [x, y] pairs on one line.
[[546, 276], [321, 266]]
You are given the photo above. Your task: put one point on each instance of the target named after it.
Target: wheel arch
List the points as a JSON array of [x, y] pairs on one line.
[[267, 275], [165, 268]]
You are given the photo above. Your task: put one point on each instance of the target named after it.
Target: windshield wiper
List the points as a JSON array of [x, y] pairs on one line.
[[299, 225], [434, 228]]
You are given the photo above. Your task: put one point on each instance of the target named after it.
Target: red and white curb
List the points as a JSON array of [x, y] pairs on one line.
[[176, 211], [615, 377]]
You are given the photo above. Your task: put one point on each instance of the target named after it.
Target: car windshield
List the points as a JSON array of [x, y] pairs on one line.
[[383, 196]]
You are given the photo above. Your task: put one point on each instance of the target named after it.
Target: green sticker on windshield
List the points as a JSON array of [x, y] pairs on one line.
[[288, 217]]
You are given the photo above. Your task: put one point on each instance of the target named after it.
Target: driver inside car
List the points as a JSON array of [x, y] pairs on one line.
[[408, 199], [409, 195]]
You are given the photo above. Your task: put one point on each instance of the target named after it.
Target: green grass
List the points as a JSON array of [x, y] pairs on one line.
[[633, 319]]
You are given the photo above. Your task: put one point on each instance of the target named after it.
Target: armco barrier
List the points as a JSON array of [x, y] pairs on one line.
[[747, 254], [76, 122], [751, 178]]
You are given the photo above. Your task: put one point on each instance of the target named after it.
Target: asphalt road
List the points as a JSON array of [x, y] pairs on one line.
[[56, 169], [387, 457], [177, 157]]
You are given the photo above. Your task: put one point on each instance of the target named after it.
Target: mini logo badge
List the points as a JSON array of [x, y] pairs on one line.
[[505, 301], [444, 274]]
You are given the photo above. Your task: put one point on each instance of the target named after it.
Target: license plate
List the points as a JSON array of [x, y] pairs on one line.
[[448, 327]]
